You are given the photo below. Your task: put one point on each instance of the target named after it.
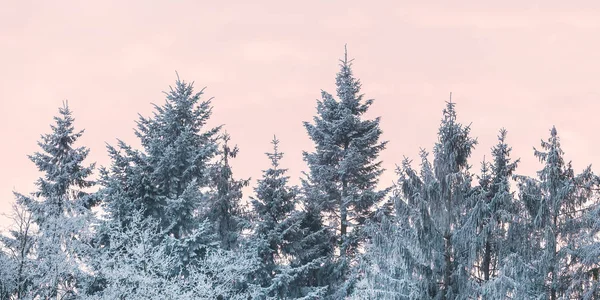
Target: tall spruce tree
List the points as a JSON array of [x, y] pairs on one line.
[[440, 195], [61, 210], [422, 250], [343, 171], [555, 202]]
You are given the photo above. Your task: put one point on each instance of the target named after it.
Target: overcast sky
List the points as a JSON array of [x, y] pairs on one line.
[[522, 65]]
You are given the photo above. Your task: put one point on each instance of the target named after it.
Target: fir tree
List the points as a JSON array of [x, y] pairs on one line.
[[275, 218], [440, 196], [180, 181], [343, 171], [225, 210], [177, 150], [292, 243], [555, 203], [60, 209], [168, 180]]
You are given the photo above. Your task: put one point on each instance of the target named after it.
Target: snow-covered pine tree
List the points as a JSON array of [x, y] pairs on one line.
[[343, 171], [275, 222], [489, 217], [169, 179], [556, 203], [585, 251], [61, 210], [440, 196], [291, 243], [181, 181], [225, 209]]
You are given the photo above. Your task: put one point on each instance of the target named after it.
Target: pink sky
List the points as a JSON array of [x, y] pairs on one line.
[[522, 65]]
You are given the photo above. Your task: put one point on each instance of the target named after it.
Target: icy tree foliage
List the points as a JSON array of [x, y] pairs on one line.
[[555, 202], [422, 250], [488, 220], [165, 178], [169, 180], [60, 209], [392, 263], [181, 182], [439, 197], [343, 169], [139, 263], [585, 253], [17, 263]]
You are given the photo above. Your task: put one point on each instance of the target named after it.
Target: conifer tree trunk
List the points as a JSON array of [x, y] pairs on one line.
[[344, 211], [448, 246], [553, 272], [343, 219], [448, 264], [487, 260]]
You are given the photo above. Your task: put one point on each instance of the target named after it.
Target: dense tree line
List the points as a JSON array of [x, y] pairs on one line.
[[168, 220]]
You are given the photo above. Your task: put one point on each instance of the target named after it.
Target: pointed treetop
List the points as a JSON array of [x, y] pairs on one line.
[[449, 111], [65, 106], [65, 120], [552, 142], [226, 136], [275, 156], [228, 151], [64, 110], [63, 132], [502, 136], [345, 52], [348, 88], [275, 142], [345, 62]]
